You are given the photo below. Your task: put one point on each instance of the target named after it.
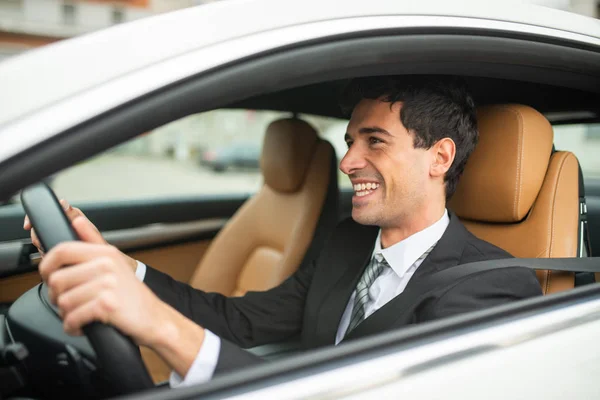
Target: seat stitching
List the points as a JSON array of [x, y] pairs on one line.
[[558, 182], [541, 252], [553, 211], [518, 182], [521, 162]]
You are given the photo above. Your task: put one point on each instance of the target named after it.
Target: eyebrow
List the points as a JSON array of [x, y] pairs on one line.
[[369, 129]]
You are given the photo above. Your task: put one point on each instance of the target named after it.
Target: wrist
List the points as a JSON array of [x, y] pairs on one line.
[[177, 340], [133, 264]]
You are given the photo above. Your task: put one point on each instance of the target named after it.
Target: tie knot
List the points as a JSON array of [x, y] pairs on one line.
[[380, 259]]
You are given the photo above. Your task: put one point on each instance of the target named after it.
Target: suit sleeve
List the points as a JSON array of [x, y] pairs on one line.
[[480, 291], [254, 319]]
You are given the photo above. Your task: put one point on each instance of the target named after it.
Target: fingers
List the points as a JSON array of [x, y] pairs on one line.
[[36, 242], [70, 253], [98, 309], [86, 230], [62, 281], [85, 292], [70, 211]]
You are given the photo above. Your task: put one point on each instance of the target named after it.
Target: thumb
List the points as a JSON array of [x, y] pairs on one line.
[[86, 231]]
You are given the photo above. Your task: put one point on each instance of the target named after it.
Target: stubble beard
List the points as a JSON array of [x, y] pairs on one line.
[[372, 213]]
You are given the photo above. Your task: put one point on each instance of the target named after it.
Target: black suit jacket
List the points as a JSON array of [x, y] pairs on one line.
[[311, 302]]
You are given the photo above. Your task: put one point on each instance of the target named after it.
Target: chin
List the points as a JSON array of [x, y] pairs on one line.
[[364, 218]]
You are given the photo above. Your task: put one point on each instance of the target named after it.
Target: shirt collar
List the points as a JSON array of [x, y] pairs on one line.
[[402, 255]]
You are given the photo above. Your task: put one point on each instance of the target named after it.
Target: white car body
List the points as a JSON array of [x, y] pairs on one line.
[[46, 92]]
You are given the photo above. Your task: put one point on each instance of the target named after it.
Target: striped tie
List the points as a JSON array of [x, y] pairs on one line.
[[373, 270]]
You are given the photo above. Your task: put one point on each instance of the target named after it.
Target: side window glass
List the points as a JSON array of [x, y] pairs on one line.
[[584, 141], [212, 153], [203, 154]]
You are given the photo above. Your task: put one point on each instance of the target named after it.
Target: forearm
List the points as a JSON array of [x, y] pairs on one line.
[[257, 318]]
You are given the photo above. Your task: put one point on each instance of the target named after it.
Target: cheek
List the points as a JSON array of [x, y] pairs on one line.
[[408, 177]]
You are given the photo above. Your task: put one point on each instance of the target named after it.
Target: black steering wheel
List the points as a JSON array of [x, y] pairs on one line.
[[117, 357]]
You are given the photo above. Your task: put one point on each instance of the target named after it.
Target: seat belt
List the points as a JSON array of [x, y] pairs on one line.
[[451, 275], [583, 243]]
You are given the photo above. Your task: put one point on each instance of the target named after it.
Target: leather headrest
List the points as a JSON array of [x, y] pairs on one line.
[[287, 151], [504, 174]]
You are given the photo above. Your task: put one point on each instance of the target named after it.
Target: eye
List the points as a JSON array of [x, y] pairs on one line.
[[349, 143], [374, 140]]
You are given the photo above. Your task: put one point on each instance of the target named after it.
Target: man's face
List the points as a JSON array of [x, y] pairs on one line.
[[389, 176]]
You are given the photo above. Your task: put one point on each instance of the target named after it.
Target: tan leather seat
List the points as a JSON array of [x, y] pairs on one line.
[[519, 195], [269, 236]]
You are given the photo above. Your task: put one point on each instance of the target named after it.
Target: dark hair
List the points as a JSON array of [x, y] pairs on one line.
[[433, 108]]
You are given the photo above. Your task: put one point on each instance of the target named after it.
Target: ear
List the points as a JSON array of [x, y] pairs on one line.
[[443, 152]]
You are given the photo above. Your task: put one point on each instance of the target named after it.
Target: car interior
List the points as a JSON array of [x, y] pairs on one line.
[[517, 192], [282, 226]]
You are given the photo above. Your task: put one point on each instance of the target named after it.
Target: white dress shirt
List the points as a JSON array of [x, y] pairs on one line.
[[402, 258]]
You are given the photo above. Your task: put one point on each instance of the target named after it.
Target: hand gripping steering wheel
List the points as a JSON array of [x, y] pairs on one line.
[[116, 353]]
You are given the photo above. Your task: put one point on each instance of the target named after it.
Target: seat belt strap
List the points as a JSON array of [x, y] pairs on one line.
[[451, 275]]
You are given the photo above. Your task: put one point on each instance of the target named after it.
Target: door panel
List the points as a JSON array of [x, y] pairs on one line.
[[115, 215], [179, 261], [13, 287], [169, 234]]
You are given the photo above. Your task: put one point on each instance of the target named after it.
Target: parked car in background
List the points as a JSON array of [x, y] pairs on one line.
[[238, 155]]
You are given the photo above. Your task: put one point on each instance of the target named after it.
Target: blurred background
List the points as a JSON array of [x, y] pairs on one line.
[[210, 153], [26, 24]]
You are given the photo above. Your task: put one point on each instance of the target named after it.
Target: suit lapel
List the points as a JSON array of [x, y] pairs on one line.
[[352, 255], [445, 254]]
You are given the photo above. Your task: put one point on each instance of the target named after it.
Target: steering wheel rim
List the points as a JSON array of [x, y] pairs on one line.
[[116, 354]]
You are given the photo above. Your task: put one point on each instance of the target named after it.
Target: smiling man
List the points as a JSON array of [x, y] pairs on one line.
[[407, 147]]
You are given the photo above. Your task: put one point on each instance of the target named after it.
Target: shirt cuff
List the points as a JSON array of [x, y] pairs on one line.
[[140, 271], [204, 365]]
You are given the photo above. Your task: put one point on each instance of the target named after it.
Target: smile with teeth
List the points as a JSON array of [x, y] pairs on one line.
[[363, 189]]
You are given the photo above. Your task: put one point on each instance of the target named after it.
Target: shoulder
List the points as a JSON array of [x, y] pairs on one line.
[[479, 250], [521, 279], [482, 290]]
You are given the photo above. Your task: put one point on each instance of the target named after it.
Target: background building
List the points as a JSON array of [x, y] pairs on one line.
[[25, 24]]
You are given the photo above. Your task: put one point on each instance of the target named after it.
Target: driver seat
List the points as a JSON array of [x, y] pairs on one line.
[[519, 195]]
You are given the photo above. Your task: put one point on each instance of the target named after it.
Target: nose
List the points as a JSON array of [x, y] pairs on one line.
[[353, 161]]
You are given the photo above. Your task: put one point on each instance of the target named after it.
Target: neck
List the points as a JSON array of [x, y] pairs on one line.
[[390, 235]]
